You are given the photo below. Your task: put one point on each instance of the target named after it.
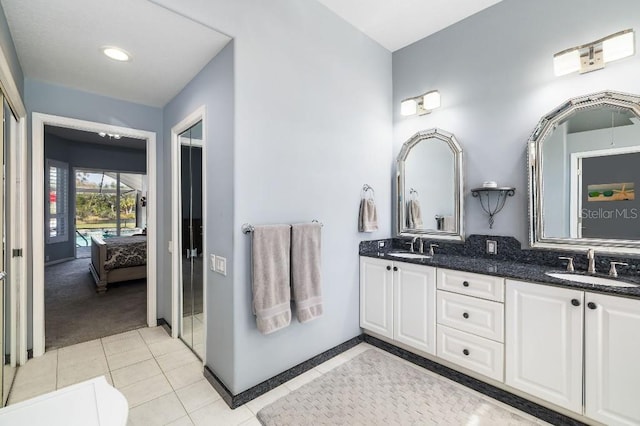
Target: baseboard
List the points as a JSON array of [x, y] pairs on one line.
[[501, 395], [55, 262], [235, 401]]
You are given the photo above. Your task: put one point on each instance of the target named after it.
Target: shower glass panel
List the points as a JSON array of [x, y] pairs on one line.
[[191, 222]]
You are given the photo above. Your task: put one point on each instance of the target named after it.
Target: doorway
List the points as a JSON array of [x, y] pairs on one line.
[[188, 230], [603, 202], [39, 122]]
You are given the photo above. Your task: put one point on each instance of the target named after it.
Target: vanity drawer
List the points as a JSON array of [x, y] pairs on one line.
[[484, 286], [481, 317], [481, 355]]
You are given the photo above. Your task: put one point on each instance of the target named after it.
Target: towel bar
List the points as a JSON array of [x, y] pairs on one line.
[[248, 228]]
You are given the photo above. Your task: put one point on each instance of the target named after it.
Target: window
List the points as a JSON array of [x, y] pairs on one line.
[[57, 210]]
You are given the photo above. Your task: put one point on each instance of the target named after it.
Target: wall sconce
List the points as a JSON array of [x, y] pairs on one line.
[[593, 56], [420, 105]]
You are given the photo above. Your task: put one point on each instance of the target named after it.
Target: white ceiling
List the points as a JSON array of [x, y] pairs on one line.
[[59, 42], [397, 23]]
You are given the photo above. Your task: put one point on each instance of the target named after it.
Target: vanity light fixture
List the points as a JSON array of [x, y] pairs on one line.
[[116, 53], [593, 56], [420, 105]]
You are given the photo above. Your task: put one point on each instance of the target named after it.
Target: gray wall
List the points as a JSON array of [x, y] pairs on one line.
[[312, 125], [90, 156], [58, 100], [556, 184], [213, 87], [6, 43], [494, 71]]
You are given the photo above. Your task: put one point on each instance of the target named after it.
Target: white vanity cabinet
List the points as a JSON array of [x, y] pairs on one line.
[[545, 354], [544, 327], [398, 301], [376, 296], [612, 368], [470, 318]]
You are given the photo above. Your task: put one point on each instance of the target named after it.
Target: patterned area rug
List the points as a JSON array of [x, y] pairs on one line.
[[376, 389]]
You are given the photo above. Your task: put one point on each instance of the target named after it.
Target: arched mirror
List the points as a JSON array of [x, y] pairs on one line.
[[430, 186], [583, 167]]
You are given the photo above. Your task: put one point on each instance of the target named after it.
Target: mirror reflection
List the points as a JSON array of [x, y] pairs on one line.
[[429, 185], [192, 330], [583, 184]]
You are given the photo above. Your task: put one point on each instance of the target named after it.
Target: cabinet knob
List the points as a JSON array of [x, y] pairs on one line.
[[591, 305], [466, 352], [465, 283], [465, 315], [388, 268], [395, 268], [575, 302]]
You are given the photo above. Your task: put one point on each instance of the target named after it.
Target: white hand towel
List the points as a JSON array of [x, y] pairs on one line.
[[449, 224], [415, 215], [306, 280], [271, 277], [368, 217]]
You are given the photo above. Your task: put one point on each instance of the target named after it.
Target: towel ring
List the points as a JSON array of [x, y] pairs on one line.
[[366, 188], [413, 193]]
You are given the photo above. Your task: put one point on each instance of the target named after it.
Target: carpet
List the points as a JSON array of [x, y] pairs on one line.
[[75, 313], [377, 389]]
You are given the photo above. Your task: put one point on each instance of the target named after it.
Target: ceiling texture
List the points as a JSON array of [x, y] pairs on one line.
[[60, 42], [398, 23]]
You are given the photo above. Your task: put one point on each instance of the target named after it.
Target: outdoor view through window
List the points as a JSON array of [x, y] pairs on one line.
[[108, 204]]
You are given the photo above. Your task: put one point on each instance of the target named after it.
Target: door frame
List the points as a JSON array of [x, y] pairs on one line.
[[176, 253], [38, 122], [575, 183]]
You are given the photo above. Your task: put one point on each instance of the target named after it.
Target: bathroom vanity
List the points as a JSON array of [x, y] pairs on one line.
[[569, 346], [522, 321]]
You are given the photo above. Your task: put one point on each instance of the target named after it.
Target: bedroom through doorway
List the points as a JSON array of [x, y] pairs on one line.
[[95, 210]]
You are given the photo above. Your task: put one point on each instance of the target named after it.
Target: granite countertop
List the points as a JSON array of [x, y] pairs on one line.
[[514, 270]]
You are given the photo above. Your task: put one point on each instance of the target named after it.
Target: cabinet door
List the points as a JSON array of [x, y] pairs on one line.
[[415, 306], [612, 372], [544, 327], [376, 296]]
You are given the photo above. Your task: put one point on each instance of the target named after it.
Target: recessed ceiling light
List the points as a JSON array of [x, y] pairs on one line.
[[116, 53]]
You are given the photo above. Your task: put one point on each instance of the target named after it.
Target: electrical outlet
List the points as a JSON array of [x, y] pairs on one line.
[[492, 247]]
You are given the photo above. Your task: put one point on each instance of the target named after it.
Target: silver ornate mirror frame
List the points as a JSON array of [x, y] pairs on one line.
[[450, 140], [545, 127]]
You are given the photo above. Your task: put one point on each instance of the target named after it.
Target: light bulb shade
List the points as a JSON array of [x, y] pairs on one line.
[[566, 62], [431, 100], [619, 46], [408, 107]]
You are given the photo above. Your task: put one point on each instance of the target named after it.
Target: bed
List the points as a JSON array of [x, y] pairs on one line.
[[118, 259]]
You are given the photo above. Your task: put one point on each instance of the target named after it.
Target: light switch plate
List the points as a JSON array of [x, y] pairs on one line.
[[492, 247], [221, 265], [212, 262]]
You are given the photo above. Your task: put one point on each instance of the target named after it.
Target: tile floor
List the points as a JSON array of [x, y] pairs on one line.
[[159, 376]]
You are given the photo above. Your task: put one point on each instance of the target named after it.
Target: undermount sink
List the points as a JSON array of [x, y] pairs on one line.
[[409, 255], [590, 279]]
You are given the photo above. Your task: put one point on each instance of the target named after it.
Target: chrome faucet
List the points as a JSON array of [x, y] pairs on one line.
[[591, 257], [413, 243], [431, 252]]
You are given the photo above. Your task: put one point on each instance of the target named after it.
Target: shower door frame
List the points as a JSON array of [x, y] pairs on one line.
[[176, 253]]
